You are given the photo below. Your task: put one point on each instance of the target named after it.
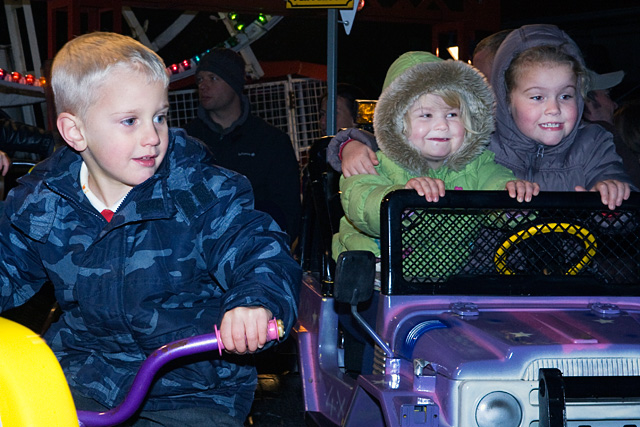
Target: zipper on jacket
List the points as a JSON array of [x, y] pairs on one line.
[[79, 204], [67, 196], [535, 162]]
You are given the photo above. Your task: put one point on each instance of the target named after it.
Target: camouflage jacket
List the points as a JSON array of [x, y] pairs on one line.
[[184, 247]]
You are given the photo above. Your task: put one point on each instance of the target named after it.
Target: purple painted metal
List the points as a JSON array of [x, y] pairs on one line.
[[327, 390], [155, 361], [508, 332]]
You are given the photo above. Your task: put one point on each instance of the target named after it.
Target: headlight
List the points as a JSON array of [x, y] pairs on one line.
[[498, 409]]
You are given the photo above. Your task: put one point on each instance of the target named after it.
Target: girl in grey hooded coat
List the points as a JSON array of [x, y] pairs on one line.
[[585, 158]]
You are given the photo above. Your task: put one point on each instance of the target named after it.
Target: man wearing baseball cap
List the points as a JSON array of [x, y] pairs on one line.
[[243, 142], [599, 107]]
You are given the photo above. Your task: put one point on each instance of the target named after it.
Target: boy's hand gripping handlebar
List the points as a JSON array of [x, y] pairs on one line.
[[275, 331], [155, 361]]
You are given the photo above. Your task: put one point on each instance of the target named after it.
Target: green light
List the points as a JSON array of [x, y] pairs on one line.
[[262, 18], [233, 16], [239, 26]]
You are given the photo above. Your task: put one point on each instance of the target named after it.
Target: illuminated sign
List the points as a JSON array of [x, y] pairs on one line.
[[320, 4]]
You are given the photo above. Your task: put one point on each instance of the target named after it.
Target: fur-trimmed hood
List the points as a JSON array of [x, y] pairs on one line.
[[424, 78]]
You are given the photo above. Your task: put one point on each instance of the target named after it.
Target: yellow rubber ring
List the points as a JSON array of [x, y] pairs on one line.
[[500, 259]]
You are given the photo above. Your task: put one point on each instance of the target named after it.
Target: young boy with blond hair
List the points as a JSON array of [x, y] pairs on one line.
[[145, 243]]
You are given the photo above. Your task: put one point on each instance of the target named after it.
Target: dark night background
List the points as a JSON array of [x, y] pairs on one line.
[[607, 32]]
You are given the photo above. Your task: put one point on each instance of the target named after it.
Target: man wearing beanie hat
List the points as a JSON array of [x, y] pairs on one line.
[[243, 142], [226, 64]]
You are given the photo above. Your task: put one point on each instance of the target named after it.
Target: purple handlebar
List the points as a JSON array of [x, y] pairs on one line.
[[149, 368]]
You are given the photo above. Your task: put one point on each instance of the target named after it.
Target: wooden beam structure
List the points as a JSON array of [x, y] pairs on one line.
[[74, 12]]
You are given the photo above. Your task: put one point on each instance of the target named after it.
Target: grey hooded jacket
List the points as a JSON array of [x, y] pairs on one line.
[[585, 156]]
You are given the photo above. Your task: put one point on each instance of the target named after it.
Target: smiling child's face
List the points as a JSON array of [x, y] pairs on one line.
[[544, 103], [126, 133], [436, 129]]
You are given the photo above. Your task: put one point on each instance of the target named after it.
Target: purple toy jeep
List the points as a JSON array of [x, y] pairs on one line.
[[491, 313]]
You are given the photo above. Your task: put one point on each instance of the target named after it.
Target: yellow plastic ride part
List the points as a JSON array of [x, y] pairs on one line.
[[33, 389], [585, 235]]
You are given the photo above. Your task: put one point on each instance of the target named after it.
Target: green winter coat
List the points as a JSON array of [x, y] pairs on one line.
[[362, 194], [472, 167]]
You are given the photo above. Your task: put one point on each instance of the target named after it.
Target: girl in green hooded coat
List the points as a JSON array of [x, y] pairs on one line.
[[433, 123]]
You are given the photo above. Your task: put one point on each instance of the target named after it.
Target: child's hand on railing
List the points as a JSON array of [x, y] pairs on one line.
[[522, 190]]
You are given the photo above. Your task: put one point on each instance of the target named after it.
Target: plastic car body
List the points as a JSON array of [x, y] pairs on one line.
[[492, 312]]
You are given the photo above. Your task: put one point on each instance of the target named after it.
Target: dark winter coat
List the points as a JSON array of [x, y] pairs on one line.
[[16, 136], [263, 154], [183, 248]]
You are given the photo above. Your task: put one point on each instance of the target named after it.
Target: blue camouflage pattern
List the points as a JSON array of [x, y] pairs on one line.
[[184, 247]]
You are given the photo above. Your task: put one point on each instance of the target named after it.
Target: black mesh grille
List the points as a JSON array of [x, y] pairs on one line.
[[441, 243]]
